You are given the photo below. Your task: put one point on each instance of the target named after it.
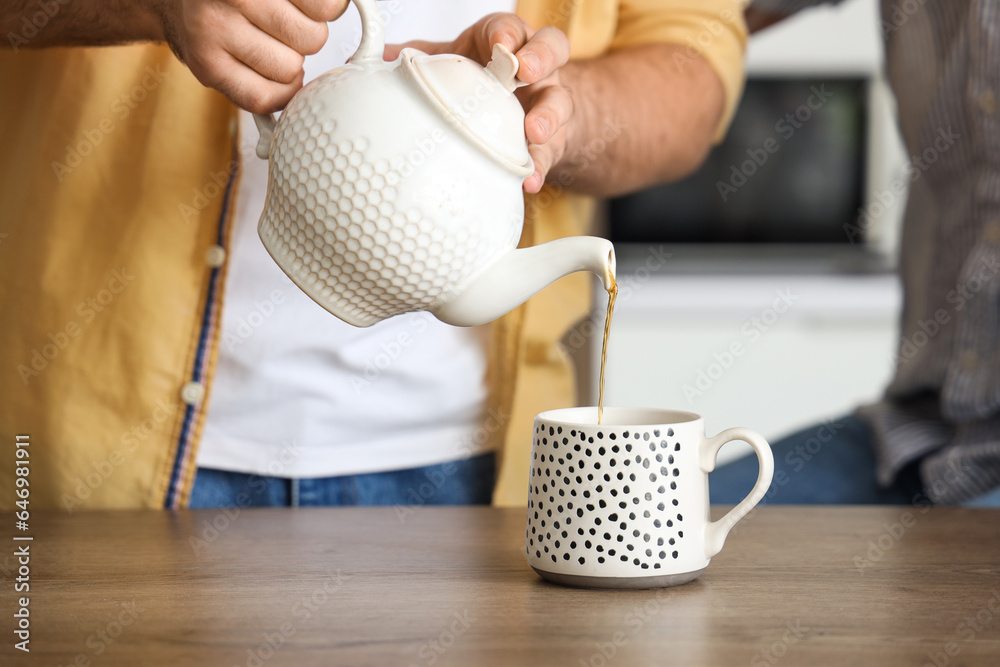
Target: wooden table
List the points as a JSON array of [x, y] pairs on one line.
[[451, 586]]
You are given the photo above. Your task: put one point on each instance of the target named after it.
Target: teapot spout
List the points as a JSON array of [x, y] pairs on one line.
[[520, 274]]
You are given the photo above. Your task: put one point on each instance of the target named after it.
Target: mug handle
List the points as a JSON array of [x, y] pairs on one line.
[[716, 531], [371, 49]]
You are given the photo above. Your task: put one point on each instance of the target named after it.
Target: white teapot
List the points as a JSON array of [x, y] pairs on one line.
[[395, 187]]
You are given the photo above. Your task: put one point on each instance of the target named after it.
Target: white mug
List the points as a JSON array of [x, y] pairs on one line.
[[625, 504]]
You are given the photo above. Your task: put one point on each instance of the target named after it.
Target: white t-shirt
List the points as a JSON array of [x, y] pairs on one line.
[[299, 393]]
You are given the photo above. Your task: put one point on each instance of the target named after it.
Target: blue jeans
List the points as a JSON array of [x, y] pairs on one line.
[[465, 482], [835, 465]]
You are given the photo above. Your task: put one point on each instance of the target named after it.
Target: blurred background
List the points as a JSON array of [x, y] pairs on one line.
[[777, 306]]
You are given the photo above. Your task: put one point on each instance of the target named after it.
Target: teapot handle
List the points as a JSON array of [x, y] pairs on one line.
[[371, 49], [372, 45], [265, 126]]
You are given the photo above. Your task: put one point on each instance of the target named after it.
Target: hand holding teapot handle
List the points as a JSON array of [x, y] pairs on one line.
[[371, 48], [251, 52]]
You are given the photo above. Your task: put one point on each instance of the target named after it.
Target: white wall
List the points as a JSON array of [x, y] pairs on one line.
[[829, 39], [775, 353]]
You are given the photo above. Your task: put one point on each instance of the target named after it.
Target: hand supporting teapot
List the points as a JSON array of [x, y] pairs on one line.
[[396, 187]]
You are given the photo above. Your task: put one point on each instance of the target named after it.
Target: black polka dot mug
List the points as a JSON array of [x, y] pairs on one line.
[[624, 504]]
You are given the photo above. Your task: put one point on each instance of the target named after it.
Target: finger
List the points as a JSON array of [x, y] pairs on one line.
[[533, 184], [321, 10], [392, 51], [545, 52], [286, 23], [544, 156], [247, 88], [264, 54], [508, 29], [549, 110]]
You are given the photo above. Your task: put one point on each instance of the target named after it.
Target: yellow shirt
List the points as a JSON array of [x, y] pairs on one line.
[[116, 181]]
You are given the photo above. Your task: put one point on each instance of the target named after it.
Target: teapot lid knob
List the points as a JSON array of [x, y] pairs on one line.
[[503, 66]]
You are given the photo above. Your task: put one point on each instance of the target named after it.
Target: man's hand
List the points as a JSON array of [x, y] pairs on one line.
[[548, 105], [250, 50]]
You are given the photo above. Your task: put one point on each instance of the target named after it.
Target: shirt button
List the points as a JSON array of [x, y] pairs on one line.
[[969, 361], [988, 102], [192, 393], [216, 256]]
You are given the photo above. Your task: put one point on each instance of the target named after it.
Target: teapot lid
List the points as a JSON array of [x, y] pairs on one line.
[[478, 101]]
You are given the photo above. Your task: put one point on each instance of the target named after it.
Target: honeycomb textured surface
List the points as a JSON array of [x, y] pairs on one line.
[[333, 222]]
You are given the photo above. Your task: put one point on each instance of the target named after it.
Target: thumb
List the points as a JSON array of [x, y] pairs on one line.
[[431, 48]]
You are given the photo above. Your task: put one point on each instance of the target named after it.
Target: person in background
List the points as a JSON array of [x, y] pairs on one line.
[[935, 435], [153, 352]]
